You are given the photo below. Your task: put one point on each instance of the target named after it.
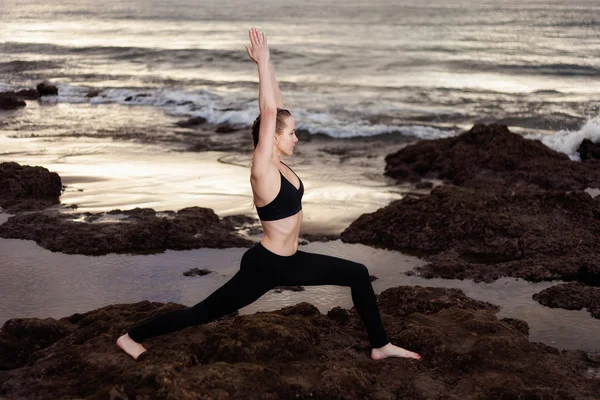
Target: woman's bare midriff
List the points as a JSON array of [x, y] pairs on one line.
[[281, 236]]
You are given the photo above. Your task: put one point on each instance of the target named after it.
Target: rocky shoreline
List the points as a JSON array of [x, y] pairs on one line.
[[498, 213], [510, 207], [295, 352]]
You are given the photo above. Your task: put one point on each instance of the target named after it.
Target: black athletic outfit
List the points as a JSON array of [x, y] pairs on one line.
[[261, 270]]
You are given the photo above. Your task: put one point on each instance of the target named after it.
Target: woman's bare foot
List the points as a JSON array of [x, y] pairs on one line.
[[129, 346], [389, 350]]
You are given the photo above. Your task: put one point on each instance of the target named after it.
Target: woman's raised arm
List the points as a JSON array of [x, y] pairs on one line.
[[278, 96], [258, 51]]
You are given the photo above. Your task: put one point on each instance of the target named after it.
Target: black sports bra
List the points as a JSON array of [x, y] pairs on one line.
[[288, 201]]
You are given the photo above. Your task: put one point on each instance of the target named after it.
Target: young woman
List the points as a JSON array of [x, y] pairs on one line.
[[275, 260]]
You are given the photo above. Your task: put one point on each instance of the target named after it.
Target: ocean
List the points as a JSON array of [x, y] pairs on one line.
[[345, 68]]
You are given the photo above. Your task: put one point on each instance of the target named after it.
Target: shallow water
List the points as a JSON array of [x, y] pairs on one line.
[[40, 283]]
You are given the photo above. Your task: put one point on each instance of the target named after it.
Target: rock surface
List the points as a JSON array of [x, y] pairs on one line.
[[27, 188], [140, 231], [484, 235], [294, 353], [9, 101], [571, 296], [509, 207], [492, 158]]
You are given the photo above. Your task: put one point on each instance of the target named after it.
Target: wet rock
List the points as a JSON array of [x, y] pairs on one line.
[[28, 94], [424, 185], [483, 235], [589, 150], [493, 158], [47, 89], [227, 128], [195, 121], [571, 296], [197, 272], [319, 238], [142, 231], [27, 188], [239, 221], [8, 101], [93, 93], [21, 337], [297, 352]]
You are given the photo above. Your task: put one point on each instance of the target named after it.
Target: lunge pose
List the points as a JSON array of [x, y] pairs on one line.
[[275, 260]]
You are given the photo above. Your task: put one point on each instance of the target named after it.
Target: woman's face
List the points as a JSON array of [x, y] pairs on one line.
[[286, 141]]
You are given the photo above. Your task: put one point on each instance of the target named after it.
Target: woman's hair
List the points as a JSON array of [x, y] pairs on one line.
[[282, 114]]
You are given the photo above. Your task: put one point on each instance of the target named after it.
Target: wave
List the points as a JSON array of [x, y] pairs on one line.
[[568, 141], [557, 69], [18, 66], [135, 53]]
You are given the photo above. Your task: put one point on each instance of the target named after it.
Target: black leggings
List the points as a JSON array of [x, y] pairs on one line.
[[260, 271]]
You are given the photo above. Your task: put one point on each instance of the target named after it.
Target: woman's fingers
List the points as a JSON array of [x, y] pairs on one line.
[[254, 36], [264, 39]]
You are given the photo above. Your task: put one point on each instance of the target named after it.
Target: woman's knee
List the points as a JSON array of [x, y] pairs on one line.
[[360, 271]]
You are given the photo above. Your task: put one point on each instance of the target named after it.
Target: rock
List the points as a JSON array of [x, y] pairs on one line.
[[93, 93], [319, 238], [28, 188], [192, 122], [227, 128], [571, 296], [589, 150], [239, 220], [492, 158], [297, 352], [47, 89], [28, 94], [197, 272], [142, 231], [8, 101], [424, 185], [483, 235]]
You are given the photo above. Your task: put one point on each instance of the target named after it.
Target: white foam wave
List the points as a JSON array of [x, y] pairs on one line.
[[238, 109], [567, 141]]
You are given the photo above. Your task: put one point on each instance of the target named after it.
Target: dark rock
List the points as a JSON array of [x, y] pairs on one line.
[[571, 296], [195, 121], [518, 324], [319, 238], [424, 185], [227, 128], [239, 220], [8, 101], [92, 93], [47, 89], [297, 352], [483, 235], [143, 232], [197, 272], [492, 158], [589, 150], [21, 337], [28, 94], [27, 188]]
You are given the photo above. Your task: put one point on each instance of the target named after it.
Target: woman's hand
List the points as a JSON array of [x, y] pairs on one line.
[[258, 51]]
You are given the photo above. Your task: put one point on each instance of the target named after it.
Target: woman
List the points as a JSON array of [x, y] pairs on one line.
[[275, 260]]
